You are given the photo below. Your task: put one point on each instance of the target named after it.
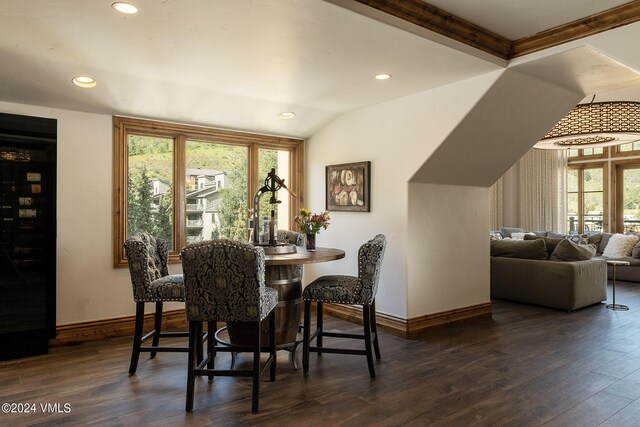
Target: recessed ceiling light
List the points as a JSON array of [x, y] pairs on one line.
[[123, 7], [84, 81], [287, 115], [383, 76]]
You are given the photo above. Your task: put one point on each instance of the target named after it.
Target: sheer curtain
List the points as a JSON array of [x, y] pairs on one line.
[[536, 199], [497, 204], [542, 176]]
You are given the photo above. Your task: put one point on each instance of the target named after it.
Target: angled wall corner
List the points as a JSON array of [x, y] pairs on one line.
[[449, 215]]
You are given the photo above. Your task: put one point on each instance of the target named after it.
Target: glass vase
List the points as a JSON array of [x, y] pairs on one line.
[[311, 242]]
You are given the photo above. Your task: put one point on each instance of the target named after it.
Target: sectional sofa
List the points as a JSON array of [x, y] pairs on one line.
[[522, 272]]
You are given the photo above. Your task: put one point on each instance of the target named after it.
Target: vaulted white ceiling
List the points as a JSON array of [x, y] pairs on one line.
[[238, 63]]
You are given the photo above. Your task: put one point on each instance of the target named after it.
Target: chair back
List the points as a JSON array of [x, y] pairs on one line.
[[369, 264], [147, 259], [291, 237], [222, 280]]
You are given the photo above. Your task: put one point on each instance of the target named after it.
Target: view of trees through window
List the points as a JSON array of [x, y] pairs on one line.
[[215, 186], [631, 198], [149, 184]]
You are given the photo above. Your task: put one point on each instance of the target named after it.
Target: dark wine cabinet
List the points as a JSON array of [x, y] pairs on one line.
[[27, 235]]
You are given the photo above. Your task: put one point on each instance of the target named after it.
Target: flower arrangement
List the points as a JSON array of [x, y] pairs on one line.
[[311, 223]]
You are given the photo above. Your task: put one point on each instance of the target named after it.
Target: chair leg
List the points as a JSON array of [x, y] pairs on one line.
[[255, 400], [374, 329], [199, 344], [366, 320], [137, 338], [272, 344], [157, 327], [191, 363], [306, 334], [319, 326], [211, 345]]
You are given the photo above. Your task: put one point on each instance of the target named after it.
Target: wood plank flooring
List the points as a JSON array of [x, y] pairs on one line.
[[529, 366]]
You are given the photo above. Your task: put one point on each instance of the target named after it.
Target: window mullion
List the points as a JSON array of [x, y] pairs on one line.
[[179, 193]]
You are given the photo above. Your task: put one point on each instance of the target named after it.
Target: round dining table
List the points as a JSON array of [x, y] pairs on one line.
[[283, 272]]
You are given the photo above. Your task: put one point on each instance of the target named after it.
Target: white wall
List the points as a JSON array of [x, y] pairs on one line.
[[397, 137], [448, 253], [88, 287]]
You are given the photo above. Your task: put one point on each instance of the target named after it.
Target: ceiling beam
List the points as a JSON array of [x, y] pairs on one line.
[[627, 13], [437, 20], [431, 18]]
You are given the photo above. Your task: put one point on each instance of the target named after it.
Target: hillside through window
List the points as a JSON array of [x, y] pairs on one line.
[[187, 184]]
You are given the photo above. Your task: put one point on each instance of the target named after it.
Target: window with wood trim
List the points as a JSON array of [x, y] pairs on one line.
[[188, 183], [587, 153], [627, 195], [586, 197], [628, 149]]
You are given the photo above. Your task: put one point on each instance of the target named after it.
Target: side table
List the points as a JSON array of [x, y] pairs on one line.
[[614, 306]]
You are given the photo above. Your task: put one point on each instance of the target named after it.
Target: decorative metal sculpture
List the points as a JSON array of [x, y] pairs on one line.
[[272, 184]]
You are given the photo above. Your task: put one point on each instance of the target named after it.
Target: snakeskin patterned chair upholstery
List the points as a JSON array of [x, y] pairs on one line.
[[225, 281], [347, 290], [151, 281]]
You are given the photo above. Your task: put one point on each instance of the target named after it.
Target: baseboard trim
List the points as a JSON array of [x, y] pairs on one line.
[[415, 326], [175, 320], [73, 333]]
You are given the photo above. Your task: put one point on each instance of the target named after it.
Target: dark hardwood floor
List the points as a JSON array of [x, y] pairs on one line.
[[528, 366]]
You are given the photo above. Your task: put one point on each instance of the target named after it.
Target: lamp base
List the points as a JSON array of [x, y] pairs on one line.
[[617, 307]]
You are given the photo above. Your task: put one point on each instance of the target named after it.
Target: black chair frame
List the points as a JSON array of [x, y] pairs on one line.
[[156, 333], [370, 336], [206, 367]]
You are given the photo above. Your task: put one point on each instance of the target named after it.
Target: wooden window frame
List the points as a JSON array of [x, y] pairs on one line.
[[582, 157], [180, 133], [615, 152], [605, 196], [617, 185]]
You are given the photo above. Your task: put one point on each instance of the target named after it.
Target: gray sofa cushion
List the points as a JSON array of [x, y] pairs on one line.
[[594, 239], [529, 249], [506, 231], [603, 242], [549, 242], [567, 250]]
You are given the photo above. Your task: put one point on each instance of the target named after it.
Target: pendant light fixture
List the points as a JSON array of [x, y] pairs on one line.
[[597, 124]]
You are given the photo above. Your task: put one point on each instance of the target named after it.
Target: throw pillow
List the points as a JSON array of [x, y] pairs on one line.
[[603, 242], [595, 239], [567, 250], [635, 252], [528, 249], [506, 231], [620, 246], [555, 235], [520, 236], [548, 241], [495, 235], [580, 239]]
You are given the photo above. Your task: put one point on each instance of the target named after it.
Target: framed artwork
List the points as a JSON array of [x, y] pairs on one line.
[[349, 187]]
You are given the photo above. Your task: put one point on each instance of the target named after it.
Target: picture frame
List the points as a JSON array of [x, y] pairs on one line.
[[348, 187]]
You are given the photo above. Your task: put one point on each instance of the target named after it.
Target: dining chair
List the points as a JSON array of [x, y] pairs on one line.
[[339, 289], [151, 281], [225, 281]]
